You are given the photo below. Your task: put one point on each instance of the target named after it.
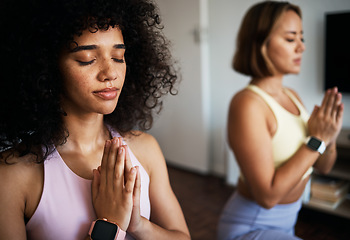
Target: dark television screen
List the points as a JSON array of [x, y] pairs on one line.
[[337, 54]]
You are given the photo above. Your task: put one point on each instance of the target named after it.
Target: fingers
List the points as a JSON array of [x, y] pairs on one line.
[[111, 162], [135, 220], [112, 165], [336, 97], [130, 181], [118, 171], [325, 121], [327, 104], [104, 162], [116, 165], [128, 164], [129, 170], [331, 102], [340, 113], [337, 109], [95, 183], [113, 184], [137, 190]]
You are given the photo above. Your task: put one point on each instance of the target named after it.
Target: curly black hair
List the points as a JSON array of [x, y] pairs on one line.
[[33, 35]]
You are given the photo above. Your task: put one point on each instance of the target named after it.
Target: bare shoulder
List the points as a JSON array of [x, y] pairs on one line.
[[13, 166], [140, 139], [146, 148], [20, 193], [249, 116], [246, 102], [142, 143], [21, 178]]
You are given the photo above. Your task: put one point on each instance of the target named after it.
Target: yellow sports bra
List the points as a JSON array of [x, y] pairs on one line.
[[291, 129]]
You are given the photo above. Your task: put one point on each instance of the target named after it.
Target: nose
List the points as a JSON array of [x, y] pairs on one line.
[[300, 47], [108, 71]]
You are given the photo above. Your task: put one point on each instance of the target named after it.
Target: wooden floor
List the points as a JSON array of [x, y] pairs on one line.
[[203, 197]]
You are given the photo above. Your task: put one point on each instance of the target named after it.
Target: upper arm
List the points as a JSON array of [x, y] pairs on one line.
[[12, 204], [20, 191], [251, 141], [165, 209]]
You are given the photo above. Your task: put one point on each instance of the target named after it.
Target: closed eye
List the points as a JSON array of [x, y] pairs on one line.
[[292, 40], [83, 63], [118, 60]]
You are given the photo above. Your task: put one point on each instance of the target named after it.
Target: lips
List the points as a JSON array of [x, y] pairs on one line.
[[297, 61], [107, 93]]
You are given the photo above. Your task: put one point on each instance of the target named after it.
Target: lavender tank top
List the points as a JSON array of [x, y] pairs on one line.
[[65, 210]]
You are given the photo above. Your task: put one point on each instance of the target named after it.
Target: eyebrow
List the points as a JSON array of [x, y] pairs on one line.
[[93, 47], [119, 46], [294, 32]]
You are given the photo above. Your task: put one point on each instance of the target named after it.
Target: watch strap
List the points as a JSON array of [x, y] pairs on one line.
[[92, 227], [120, 234]]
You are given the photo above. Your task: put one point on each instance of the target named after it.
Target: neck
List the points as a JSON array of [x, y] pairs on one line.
[[85, 133], [272, 84]]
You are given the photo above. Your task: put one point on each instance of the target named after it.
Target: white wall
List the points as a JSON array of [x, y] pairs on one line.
[[224, 20], [182, 129]]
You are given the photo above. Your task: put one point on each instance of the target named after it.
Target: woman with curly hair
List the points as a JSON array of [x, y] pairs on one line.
[[80, 82]]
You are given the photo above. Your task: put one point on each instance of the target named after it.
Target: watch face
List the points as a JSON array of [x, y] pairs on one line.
[[104, 230], [314, 143]]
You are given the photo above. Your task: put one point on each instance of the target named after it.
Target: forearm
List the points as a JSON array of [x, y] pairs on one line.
[[288, 177], [151, 231], [304, 158], [294, 169]]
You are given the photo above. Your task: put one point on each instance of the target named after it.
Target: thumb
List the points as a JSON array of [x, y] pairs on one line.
[[316, 109], [314, 112]]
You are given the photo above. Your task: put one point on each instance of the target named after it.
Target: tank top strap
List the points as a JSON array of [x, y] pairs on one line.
[[275, 106], [270, 101]]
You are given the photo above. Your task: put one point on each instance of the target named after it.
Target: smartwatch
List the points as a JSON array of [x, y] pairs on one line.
[[315, 144], [102, 229]]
